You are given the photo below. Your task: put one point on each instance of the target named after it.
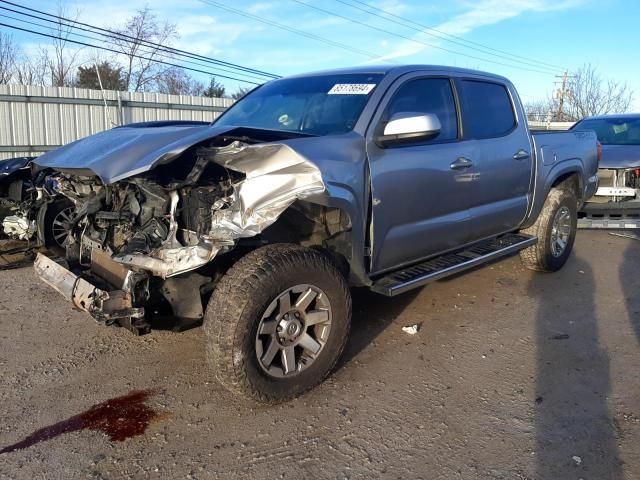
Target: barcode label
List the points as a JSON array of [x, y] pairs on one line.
[[352, 88]]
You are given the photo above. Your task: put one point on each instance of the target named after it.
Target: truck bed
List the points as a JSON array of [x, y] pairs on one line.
[[556, 146]]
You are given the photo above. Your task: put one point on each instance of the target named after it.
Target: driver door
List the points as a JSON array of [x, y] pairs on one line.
[[421, 190]]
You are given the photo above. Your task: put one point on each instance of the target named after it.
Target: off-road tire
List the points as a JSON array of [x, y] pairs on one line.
[[539, 257], [241, 298]]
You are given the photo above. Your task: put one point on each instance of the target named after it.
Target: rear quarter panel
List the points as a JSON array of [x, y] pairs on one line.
[[559, 154]]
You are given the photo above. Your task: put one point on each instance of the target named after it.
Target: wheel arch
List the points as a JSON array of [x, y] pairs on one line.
[[328, 224], [566, 175]]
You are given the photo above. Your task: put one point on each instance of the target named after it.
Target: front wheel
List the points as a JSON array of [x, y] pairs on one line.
[[277, 322], [57, 222], [556, 231]]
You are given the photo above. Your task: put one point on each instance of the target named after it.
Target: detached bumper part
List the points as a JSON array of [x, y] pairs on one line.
[[104, 306]]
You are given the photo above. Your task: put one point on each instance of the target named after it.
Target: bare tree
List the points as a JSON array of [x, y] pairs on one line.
[[539, 110], [32, 70], [8, 56], [175, 81], [586, 94], [142, 47], [20, 68], [590, 94], [63, 59]]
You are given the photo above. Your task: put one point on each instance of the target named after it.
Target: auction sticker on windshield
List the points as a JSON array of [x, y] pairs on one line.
[[352, 88]]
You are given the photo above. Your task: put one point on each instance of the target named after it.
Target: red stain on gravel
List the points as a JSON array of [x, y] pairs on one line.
[[119, 418]]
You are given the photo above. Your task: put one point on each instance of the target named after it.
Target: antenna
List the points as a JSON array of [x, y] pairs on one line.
[[106, 108]]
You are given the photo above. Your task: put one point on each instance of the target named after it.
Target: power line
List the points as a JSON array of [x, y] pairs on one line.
[[60, 23], [388, 32], [89, 37], [443, 34], [290, 29], [119, 35], [118, 52], [463, 42]]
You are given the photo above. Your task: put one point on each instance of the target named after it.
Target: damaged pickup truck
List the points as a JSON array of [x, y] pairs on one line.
[[386, 178]]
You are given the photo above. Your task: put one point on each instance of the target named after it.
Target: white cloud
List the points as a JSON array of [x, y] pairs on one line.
[[204, 34], [394, 6], [479, 14], [260, 7]]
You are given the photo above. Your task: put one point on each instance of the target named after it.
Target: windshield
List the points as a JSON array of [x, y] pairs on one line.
[[613, 131], [318, 105]]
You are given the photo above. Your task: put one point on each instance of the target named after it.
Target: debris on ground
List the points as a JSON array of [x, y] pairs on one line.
[[632, 236], [411, 329], [15, 254], [577, 459]]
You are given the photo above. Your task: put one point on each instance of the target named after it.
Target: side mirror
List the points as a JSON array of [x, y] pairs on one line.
[[409, 127]]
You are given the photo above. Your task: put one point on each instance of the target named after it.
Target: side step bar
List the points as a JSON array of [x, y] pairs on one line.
[[451, 263]]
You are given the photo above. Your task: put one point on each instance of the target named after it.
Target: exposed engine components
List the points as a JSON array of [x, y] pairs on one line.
[[169, 228], [170, 222]]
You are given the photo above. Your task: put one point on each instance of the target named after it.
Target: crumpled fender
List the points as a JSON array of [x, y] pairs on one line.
[[275, 177]]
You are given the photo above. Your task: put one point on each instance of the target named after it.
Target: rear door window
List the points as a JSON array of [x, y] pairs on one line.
[[428, 95], [487, 110]]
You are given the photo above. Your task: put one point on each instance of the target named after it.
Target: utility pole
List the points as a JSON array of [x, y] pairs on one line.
[[562, 92]]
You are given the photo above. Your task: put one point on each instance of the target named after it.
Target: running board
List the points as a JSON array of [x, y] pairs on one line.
[[451, 263]]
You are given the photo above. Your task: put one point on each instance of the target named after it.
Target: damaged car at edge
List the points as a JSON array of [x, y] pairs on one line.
[[386, 178], [27, 211], [616, 203]]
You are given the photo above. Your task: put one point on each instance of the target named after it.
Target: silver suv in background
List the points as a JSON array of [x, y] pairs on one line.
[[616, 203]]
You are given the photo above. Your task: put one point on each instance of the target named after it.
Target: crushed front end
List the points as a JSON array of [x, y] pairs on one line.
[[142, 247]]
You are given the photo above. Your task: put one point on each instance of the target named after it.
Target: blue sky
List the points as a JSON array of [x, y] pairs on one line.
[[564, 33]]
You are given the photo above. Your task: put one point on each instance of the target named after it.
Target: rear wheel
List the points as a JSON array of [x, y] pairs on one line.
[[556, 231], [277, 322]]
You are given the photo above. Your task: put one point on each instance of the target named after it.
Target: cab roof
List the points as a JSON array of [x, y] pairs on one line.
[[397, 70]]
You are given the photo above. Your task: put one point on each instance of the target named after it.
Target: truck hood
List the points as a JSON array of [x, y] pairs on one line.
[[620, 156], [123, 152]]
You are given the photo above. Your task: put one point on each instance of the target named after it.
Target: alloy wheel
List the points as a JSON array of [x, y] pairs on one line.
[[293, 330]]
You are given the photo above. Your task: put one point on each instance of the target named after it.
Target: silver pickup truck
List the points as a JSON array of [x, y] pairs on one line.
[[258, 224]]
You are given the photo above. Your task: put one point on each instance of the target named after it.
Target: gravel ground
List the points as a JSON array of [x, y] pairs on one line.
[[512, 375]]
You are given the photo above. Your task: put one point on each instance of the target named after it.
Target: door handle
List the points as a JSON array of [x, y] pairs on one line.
[[521, 155], [461, 163]]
